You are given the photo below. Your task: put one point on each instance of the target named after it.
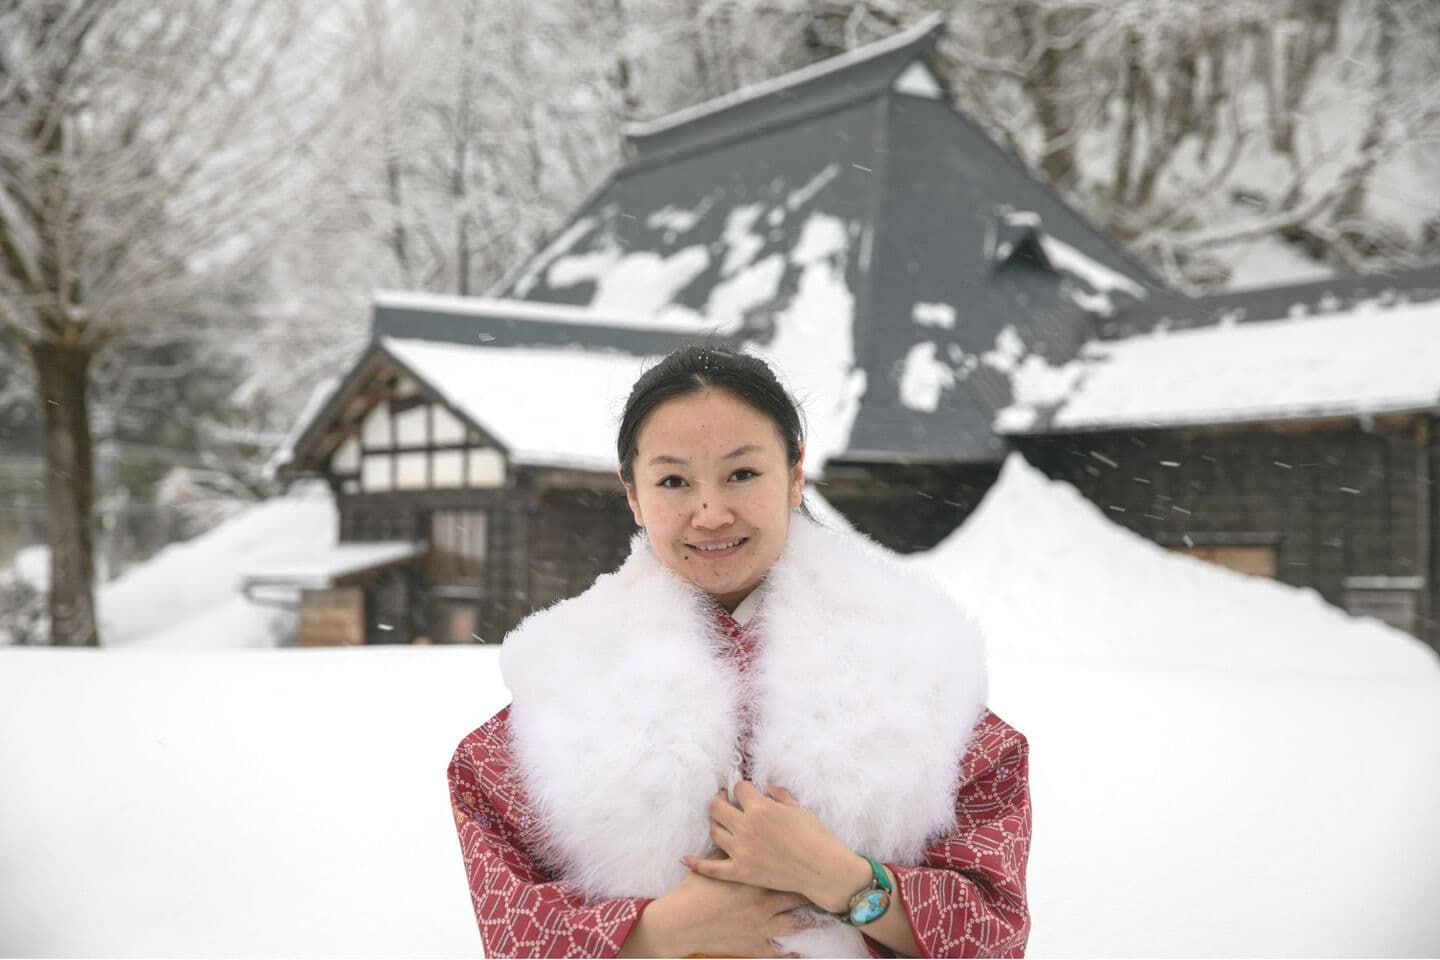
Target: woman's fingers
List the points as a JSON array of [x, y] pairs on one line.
[[722, 838], [747, 794], [715, 869], [723, 812]]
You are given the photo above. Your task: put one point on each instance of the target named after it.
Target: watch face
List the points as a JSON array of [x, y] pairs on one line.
[[870, 907]]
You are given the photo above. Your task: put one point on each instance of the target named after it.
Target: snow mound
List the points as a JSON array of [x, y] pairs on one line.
[[188, 595], [1049, 577]]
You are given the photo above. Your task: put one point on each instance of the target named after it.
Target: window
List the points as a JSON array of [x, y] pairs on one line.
[[375, 473], [1257, 561], [1392, 600], [457, 623], [458, 544]]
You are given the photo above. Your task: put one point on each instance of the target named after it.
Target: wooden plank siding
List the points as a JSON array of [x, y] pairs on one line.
[[1336, 499], [548, 536], [907, 507]]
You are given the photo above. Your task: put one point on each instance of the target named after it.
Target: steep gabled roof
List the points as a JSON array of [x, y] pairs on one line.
[[818, 220], [861, 74], [541, 406]]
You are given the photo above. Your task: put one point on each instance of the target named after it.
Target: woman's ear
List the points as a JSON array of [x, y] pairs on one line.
[[797, 479], [631, 499]]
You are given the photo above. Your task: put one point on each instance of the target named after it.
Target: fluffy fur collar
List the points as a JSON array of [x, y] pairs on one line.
[[866, 686]]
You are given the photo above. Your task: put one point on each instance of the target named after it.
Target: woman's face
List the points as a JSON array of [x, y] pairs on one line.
[[713, 491]]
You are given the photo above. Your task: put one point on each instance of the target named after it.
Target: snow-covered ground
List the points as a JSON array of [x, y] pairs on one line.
[[1220, 765]]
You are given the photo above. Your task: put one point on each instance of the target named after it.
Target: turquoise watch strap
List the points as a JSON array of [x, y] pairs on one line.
[[870, 904]]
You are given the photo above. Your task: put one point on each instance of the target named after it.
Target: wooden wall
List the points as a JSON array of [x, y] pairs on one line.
[[549, 535], [1337, 499], [907, 507]]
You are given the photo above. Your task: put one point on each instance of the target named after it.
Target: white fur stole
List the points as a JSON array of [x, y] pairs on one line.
[[866, 686]]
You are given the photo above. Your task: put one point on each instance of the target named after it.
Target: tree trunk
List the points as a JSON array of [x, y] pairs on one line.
[[62, 374]]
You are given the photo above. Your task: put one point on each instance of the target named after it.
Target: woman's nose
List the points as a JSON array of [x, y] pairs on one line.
[[713, 513]]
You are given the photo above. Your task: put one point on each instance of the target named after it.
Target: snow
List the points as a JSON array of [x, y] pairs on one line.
[[741, 241], [500, 308], [321, 566], [1100, 278], [813, 348], [567, 238], [752, 287], [923, 378], [677, 220], [1366, 360], [642, 282], [798, 198], [940, 315], [918, 81], [805, 74], [1220, 765], [188, 594], [31, 565], [256, 803], [1271, 262], [551, 407]]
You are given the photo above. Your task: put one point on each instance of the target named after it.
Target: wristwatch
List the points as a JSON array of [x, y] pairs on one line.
[[870, 904]]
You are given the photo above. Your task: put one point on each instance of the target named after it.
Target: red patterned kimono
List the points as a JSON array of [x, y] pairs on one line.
[[966, 899]]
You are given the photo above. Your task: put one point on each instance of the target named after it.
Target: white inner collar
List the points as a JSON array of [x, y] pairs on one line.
[[747, 607]]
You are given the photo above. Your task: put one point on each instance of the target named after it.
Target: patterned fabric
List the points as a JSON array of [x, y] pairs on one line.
[[740, 650], [521, 910], [967, 898]]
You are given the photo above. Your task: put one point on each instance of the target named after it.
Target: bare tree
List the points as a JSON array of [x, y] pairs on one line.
[[148, 153]]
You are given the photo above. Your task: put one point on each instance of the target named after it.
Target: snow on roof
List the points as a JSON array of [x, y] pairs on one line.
[[321, 567], [528, 310], [547, 407], [796, 77], [1366, 360]]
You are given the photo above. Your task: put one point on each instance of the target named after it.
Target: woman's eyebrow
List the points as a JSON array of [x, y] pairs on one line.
[[737, 452]]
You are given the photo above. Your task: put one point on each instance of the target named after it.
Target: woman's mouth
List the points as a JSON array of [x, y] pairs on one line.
[[718, 548]]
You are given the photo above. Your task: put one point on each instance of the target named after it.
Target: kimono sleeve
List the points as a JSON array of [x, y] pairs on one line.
[[967, 898], [521, 911]]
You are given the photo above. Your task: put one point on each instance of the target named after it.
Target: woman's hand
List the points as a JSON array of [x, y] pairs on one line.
[[776, 843], [715, 918]]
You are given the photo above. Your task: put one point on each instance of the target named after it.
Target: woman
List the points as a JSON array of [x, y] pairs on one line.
[[752, 735]]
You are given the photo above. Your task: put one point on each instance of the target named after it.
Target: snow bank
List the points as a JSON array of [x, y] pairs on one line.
[[237, 803], [1221, 765], [187, 595], [1051, 578]]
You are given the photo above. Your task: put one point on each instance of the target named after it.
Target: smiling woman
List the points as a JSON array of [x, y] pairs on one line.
[[758, 737]]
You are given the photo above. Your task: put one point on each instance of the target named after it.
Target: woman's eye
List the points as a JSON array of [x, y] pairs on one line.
[[671, 482], [743, 474]]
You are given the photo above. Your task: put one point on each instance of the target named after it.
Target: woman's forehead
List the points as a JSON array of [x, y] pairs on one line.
[[711, 423]]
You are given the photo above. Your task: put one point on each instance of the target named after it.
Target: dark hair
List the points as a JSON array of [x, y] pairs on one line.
[[696, 367]]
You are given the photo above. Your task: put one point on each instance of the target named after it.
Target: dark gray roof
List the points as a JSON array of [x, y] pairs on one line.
[[923, 195], [863, 74], [1415, 285], [498, 324]]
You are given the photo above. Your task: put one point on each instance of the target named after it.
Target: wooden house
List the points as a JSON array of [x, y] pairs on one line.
[[913, 284]]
